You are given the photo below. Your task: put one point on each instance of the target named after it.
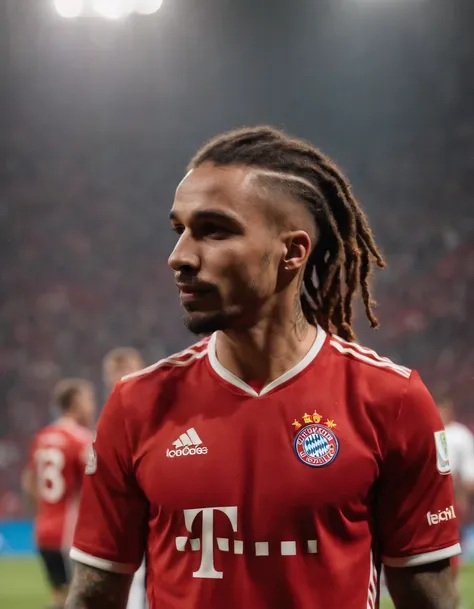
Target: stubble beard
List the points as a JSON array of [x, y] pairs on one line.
[[237, 317], [206, 323]]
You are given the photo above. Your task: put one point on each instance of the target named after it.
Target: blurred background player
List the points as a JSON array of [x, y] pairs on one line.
[[460, 443], [53, 477], [118, 363]]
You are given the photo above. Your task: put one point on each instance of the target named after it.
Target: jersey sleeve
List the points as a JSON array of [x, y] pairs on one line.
[[416, 515], [111, 528]]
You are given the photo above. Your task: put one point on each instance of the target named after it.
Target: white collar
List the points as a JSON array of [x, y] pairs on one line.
[[230, 377]]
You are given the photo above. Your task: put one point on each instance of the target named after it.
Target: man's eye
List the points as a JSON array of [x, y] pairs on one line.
[[178, 229], [214, 230]]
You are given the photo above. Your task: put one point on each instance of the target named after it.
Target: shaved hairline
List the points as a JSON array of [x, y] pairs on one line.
[[286, 216], [281, 175]]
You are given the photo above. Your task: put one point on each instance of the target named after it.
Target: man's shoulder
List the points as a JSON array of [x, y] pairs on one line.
[[176, 366], [66, 437], [82, 436], [55, 442], [53, 433], [371, 379], [366, 361]]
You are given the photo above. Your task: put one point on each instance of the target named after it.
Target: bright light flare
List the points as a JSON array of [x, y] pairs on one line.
[[69, 8], [113, 9], [147, 7], [108, 9]]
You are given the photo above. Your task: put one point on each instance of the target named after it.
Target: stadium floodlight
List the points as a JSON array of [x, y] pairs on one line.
[[113, 9], [69, 8], [147, 7]]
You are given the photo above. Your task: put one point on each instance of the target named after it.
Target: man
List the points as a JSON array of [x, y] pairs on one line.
[[118, 363], [460, 448], [52, 479], [274, 464]]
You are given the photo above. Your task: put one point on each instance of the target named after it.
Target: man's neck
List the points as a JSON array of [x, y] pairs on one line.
[[67, 420], [269, 349]]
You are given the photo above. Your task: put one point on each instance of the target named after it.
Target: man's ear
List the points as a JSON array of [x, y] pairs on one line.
[[297, 250]]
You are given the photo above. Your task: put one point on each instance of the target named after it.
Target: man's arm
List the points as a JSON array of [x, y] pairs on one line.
[[428, 586], [93, 588], [111, 530]]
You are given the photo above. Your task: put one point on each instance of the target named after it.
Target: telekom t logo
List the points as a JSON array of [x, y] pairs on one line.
[[206, 568], [206, 543]]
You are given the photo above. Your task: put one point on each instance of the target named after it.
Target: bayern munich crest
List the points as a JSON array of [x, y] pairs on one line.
[[316, 444]]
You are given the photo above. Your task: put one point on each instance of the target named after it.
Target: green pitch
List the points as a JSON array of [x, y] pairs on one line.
[[22, 585]]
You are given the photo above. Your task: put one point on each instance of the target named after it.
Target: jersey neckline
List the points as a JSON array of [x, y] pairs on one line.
[[234, 380]]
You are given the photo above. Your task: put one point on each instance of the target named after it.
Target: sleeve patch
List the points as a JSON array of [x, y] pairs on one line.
[[442, 457]]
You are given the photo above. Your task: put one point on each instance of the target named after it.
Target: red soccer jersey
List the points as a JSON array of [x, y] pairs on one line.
[[58, 455], [291, 497]]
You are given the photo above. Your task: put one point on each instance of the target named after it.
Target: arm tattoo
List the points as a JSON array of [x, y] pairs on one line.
[[425, 587], [96, 589]]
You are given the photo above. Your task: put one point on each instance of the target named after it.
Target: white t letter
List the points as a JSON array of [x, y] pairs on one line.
[[206, 568]]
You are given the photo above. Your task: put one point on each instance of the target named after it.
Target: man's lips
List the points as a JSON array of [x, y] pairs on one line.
[[190, 292], [186, 288]]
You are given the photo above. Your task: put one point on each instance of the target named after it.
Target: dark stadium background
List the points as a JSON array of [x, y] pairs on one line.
[[98, 120]]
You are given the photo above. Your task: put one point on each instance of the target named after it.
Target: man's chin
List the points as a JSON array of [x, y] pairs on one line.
[[206, 323]]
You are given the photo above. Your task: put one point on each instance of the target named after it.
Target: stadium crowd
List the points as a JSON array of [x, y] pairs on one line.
[[426, 227]]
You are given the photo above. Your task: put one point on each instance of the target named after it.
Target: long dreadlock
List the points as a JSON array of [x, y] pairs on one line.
[[342, 258]]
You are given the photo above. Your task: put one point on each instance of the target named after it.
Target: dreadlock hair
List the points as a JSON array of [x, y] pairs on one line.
[[345, 250]]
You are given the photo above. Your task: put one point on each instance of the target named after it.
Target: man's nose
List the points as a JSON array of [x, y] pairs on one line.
[[184, 255]]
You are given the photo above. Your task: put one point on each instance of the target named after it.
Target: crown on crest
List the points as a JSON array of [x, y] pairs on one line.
[[313, 418]]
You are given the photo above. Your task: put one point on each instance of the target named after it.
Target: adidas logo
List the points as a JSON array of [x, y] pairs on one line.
[[188, 443]]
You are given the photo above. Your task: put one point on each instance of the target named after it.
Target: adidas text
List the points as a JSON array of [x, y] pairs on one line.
[[184, 452]]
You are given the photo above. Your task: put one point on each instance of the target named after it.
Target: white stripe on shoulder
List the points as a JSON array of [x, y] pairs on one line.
[[378, 363], [367, 351], [183, 358]]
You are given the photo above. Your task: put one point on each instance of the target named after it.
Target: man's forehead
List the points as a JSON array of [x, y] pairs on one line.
[[211, 179], [223, 188], [233, 187]]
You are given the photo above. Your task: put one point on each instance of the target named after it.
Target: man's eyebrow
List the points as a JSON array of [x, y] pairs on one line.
[[208, 214]]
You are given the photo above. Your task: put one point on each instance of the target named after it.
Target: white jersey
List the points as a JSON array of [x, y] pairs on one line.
[[460, 443]]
